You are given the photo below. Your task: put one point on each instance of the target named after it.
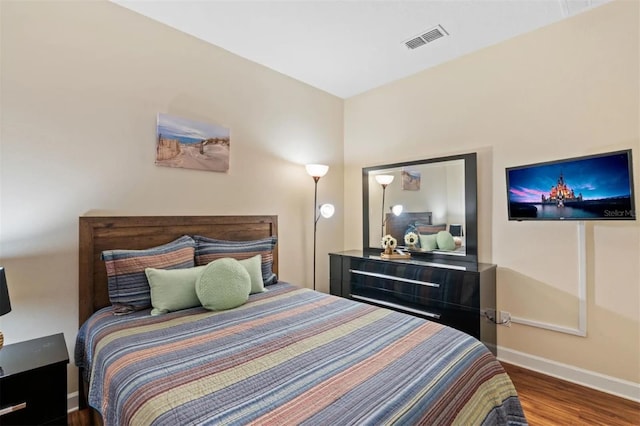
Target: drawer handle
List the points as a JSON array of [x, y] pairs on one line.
[[395, 305], [394, 278], [13, 408]]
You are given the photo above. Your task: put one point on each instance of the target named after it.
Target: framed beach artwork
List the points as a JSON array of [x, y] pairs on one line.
[[190, 144], [410, 180]]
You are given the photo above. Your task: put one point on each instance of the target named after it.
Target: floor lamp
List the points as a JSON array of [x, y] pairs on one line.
[[316, 171], [383, 180]]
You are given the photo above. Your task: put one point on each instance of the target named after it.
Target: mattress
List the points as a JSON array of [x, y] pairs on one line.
[[290, 356]]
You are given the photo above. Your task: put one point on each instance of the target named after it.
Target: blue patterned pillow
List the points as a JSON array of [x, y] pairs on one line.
[[127, 282], [209, 249]]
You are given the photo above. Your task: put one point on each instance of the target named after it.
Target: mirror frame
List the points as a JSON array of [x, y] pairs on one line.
[[470, 200]]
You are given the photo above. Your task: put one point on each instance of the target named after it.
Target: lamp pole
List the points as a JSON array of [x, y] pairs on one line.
[[315, 225], [316, 171], [384, 188]]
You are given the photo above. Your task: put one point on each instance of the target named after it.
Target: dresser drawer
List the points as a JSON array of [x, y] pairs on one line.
[[414, 284], [38, 396], [451, 293], [33, 382], [463, 319]]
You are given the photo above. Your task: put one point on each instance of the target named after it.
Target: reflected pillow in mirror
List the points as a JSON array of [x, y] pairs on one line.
[[431, 229], [429, 242], [445, 241]]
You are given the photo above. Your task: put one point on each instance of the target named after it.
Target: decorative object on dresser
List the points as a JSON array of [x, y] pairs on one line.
[[389, 245], [33, 382], [316, 171], [5, 302], [456, 294]]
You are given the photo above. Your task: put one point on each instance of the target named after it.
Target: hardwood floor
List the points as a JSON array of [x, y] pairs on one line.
[[550, 401], [546, 401]]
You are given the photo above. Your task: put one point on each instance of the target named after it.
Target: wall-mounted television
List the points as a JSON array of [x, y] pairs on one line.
[[594, 187]]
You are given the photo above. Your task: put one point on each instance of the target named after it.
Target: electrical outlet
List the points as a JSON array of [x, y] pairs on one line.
[[505, 318], [490, 314]]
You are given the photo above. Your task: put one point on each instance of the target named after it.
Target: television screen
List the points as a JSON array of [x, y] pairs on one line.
[[596, 187]]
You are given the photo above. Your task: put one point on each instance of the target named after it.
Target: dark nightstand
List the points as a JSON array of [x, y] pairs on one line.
[[33, 382]]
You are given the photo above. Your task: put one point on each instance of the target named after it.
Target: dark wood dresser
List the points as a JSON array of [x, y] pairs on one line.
[[451, 293], [33, 382]]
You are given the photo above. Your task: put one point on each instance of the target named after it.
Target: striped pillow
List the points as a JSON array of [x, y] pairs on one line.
[[430, 229], [209, 249], [128, 286]]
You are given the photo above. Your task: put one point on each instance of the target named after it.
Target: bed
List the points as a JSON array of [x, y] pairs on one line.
[[289, 355]]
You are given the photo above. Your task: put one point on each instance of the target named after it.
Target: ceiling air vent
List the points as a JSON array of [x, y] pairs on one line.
[[426, 37]]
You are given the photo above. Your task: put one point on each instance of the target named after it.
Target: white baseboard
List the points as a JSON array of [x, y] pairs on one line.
[[73, 402], [612, 385]]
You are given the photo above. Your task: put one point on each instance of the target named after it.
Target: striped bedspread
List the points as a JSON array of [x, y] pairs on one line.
[[290, 356]]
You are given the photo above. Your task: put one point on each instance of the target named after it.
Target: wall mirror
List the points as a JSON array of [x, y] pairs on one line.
[[435, 194]]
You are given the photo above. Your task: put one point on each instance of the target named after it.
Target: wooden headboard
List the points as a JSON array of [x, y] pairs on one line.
[[141, 232], [396, 225]]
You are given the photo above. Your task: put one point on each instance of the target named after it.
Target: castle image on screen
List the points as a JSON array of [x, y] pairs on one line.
[[597, 187]]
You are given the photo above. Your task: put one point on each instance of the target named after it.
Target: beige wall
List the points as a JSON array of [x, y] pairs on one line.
[[566, 90], [81, 86]]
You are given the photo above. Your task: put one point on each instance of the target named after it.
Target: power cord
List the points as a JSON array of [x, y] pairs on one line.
[[493, 319]]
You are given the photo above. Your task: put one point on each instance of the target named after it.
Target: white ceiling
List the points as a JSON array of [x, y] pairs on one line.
[[348, 47]]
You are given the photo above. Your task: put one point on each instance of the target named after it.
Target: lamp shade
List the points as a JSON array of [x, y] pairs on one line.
[[384, 179], [5, 303], [327, 210], [397, 209], [317, 170]]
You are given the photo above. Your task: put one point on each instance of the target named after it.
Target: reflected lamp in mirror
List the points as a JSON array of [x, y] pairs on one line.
[[397, 209], [384, 181], [5, 303]]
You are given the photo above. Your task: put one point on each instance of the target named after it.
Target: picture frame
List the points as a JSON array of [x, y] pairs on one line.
[[189, 144], [410, 180]]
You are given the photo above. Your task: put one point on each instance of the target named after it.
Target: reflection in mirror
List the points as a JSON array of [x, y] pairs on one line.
[[435, 194]]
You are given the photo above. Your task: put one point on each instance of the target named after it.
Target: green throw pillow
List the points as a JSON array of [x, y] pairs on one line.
[[428, 242], [445, 241], [223, 284], [173, 289], [253, 265]]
